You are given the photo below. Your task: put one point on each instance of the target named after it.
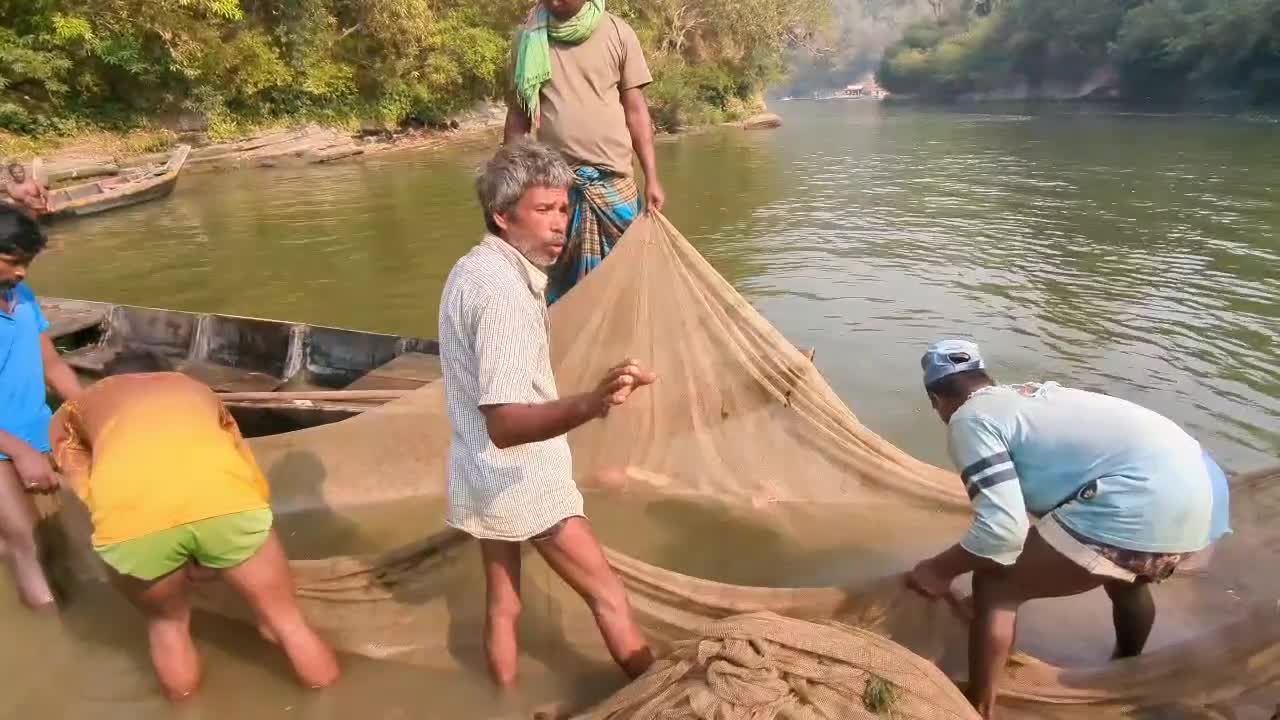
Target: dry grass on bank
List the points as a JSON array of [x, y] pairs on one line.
[[97, 144]]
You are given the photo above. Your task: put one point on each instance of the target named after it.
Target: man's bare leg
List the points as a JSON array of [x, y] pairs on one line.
[[265, 582], [18, 540], [575, 555], [1040, 572], [166, 605], [502, 609], [1133, 611]]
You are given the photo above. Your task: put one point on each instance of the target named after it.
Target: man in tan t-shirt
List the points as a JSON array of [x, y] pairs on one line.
[[579, 75]]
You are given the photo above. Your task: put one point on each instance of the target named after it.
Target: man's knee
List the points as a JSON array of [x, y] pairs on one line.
[[505, 608], [990, 586], [996, 590]]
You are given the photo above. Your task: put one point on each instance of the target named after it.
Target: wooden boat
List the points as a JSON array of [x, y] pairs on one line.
[[131, 187], [274, 376]]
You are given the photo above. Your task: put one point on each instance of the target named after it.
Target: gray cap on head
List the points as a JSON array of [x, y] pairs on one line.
[[948, 357]]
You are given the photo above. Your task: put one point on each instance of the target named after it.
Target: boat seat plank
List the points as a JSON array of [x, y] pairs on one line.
[[301, 382], [405, 372], [68, 317], [91, 358], [228, 379]]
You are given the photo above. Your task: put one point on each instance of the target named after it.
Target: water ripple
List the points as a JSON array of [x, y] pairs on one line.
[[1138, 255]]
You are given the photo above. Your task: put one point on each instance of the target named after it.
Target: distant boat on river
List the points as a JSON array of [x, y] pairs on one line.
[[137, 185]]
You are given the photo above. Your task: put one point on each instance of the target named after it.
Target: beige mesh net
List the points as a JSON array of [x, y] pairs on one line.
[[740, 468], [764, 666]]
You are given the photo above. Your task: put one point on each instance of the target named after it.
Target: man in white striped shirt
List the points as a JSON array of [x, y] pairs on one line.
[[510, 471]]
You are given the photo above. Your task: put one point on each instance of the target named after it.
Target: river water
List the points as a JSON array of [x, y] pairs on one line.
[[1134, 254]]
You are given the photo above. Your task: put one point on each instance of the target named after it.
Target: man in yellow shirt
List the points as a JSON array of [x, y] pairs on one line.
[[172, 487]]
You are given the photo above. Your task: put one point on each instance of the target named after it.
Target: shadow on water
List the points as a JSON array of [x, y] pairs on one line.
[[308, 527], [712, 540]]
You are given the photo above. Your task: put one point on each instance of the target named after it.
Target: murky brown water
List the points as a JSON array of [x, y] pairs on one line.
[[96, 653], [1137, 255]]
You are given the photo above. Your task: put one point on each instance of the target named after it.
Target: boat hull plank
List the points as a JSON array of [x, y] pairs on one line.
[[243, 354], [406, 372], [68, 317], [224, 378]]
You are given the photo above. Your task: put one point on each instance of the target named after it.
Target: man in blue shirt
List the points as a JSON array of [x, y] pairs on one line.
[[28, 361], [1121, 495]]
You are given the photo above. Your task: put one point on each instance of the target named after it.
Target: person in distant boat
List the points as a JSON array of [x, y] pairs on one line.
[[579, 78], [174, 492], [510, 474], [26, 192], [1123, 495], [28, 362]]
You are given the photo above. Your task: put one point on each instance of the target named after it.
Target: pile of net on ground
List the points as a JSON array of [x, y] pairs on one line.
[[763, 666], [742, 439]]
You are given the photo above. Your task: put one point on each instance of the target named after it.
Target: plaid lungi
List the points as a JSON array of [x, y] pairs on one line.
[[602, 206]]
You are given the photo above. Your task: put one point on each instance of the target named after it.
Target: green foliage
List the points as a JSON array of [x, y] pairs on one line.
[[70, 64], [71, 30], [1168, 45], [851, 48], [923, 35], [713, 59], [685, 95], [23, 65], [954, 64], [1150, 49]]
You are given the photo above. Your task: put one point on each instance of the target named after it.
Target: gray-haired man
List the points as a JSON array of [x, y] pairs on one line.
[[510, 471]]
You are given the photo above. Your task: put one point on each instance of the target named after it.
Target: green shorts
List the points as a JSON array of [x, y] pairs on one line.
[[218, 543]]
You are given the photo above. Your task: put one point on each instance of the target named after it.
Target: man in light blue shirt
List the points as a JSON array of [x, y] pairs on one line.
[[28, 361], [1121, 495]]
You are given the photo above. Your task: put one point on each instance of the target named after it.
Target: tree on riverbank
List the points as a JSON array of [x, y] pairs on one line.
[[70, 64], [1137, 49], [863, 30]]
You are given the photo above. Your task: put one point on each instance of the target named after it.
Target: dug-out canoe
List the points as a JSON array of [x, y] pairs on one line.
[[320, 374], [135, 186]]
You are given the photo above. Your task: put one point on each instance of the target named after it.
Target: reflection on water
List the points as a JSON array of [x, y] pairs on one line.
[[1136, 255], [1131, 254]]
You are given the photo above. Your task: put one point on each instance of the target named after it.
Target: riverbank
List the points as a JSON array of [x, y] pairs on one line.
[[1147, 52], [104, 154], [1085, 105], [101, 154]]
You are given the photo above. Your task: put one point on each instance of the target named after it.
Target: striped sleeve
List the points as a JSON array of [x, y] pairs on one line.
[[507, 344], [1000, 523]]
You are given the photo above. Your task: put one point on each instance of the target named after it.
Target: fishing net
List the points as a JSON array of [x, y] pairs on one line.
[[764, 666], [738, 484]]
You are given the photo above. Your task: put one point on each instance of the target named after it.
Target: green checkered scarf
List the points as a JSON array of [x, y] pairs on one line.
[[533, 60]]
